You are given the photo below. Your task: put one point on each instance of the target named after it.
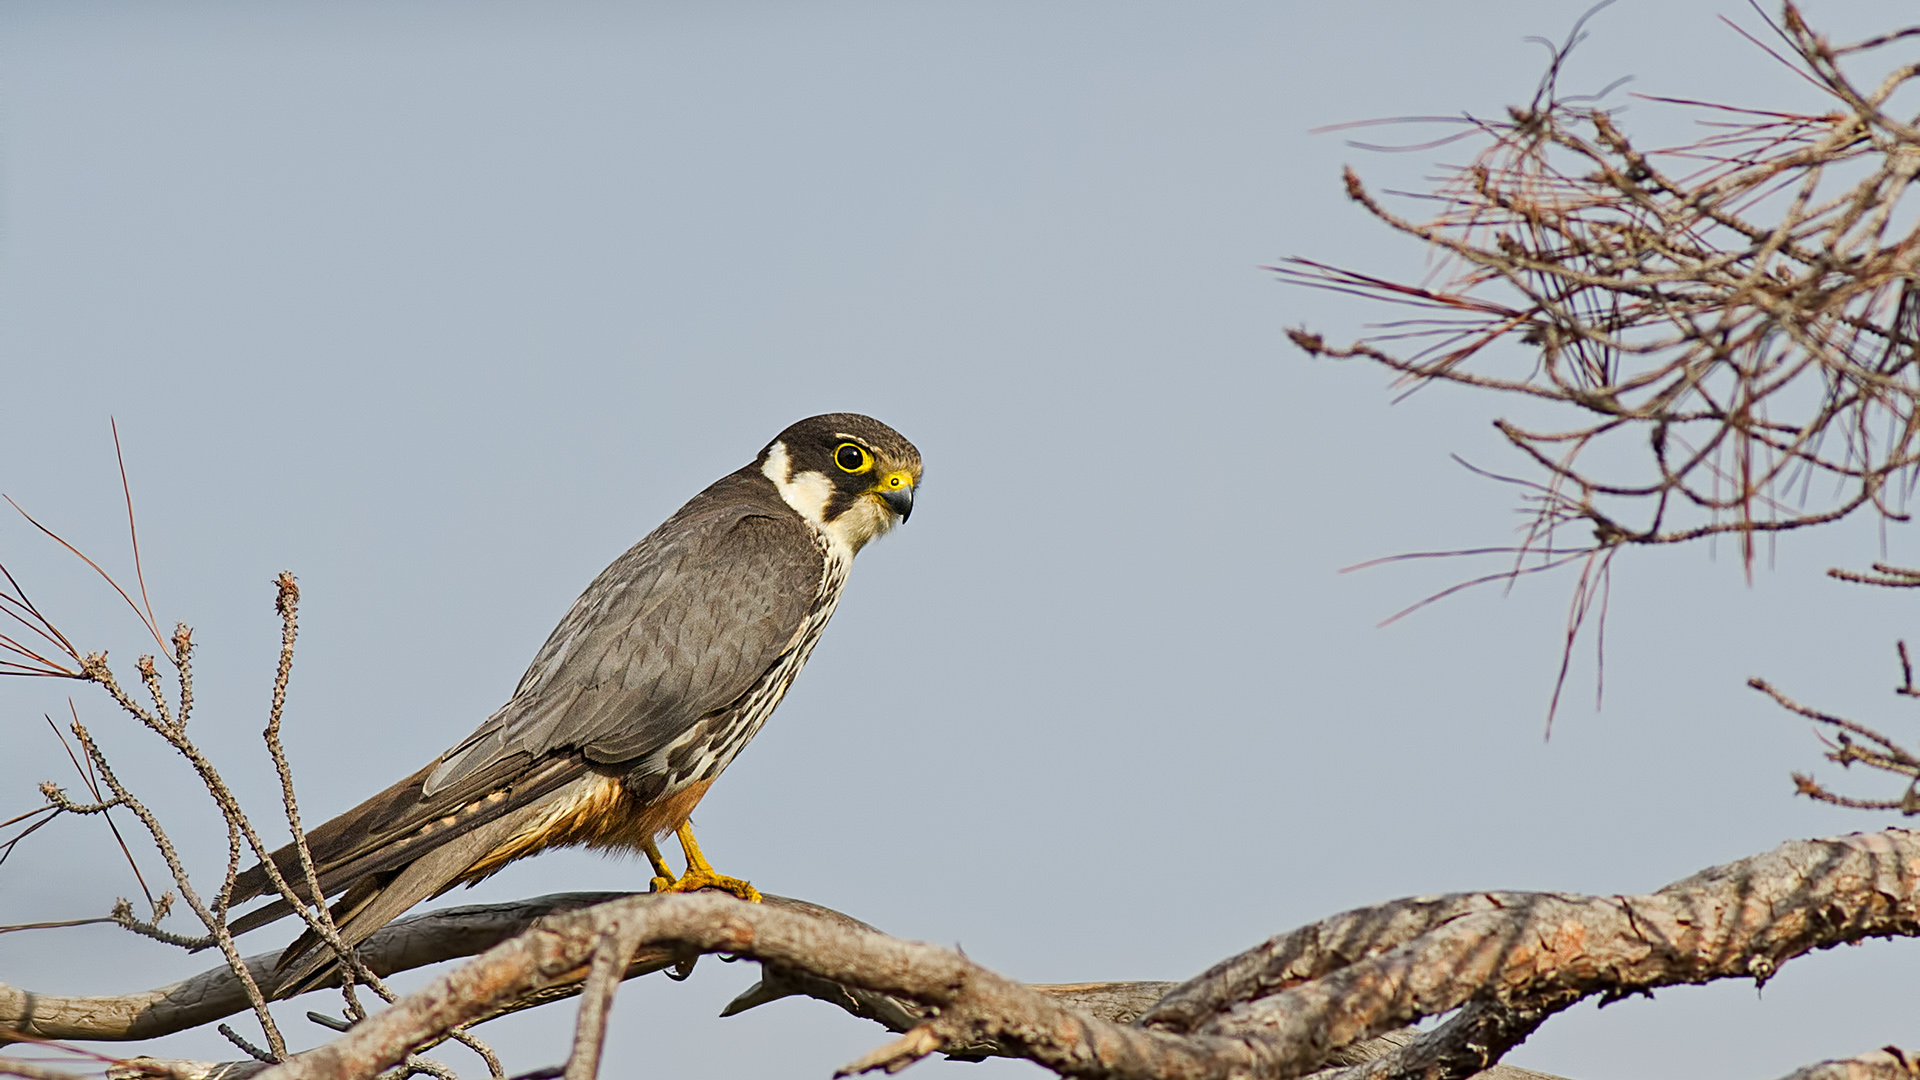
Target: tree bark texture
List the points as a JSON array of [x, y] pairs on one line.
[[1298, 1004]]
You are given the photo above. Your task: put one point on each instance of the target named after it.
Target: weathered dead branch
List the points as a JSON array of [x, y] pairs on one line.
[[1300, 1002], [1504, 961], [408, 943], [35, 1071], [455, 933], [1404, 1055], [1889, 1063]]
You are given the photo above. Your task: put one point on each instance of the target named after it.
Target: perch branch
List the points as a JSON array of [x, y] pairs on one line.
[[1281, 1010]]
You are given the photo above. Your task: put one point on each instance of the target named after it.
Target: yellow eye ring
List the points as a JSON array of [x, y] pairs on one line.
[[852, 458]]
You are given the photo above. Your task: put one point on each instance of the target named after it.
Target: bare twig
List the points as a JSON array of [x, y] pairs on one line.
[[216, 927], [1722, 323], [247, 1048], [287, 605], [611, 956], [1879, 751], [33, 660], [133, 534], [104, 805], [1883, 575], [104, 576]]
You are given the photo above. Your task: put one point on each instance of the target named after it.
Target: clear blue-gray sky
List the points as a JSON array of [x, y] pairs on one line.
[[442, 305]]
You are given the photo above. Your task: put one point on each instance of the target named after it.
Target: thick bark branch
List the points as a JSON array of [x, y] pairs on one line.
[[1279, 1011], [1302, 1002], [1463, 1046], [31, 1071], [416, 941], [1452, 1050], [1115, 1002], [1034, 1023], [1891, 1063], [456, 933], [1355, 975]]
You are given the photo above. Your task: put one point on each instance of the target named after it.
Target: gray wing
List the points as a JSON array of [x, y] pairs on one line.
[[678, 627]]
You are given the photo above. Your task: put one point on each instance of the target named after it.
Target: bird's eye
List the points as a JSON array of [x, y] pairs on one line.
[[852, 458]]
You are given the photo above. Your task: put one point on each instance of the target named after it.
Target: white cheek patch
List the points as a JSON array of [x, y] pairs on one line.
[[807, 493]]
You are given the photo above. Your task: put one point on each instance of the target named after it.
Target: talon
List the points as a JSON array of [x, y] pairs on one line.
[[700, 873], [696, 880]]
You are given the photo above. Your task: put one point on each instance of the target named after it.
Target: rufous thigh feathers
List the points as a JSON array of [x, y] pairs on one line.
[[596, 812]]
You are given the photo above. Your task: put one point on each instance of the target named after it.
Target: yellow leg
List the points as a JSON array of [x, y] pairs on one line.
[[662, 873], [700, 873]]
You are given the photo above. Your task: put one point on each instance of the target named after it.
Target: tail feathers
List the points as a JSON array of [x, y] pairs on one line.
[[342, 912], [397, 827], [254, 881], [337, 840], [377, 899], [260, 916], [331, 883]]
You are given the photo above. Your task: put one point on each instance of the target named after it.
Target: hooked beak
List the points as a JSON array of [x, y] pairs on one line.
[[899, 500]]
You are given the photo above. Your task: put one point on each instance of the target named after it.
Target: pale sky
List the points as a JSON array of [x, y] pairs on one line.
[[443, 305]]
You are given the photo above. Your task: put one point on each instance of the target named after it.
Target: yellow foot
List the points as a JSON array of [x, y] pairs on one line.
[[695, 880], [700, 873]]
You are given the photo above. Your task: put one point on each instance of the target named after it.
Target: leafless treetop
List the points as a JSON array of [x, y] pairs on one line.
[[1741, 308]]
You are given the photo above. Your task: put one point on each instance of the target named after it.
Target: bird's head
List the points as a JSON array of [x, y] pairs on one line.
[[850, 475]]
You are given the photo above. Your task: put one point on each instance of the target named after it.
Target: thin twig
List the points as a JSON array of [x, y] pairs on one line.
[[610, 958]]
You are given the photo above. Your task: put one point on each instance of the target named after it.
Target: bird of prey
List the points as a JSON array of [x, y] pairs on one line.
[[659, 674]]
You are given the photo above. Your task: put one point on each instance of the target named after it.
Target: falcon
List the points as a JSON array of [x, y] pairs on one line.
[[657, 677]]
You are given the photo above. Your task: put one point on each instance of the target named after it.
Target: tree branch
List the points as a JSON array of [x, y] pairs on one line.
[[1033, 1023], [1890, 1063], [1302, 1002], [610, 959], [1281, 1010], [413, 942]]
